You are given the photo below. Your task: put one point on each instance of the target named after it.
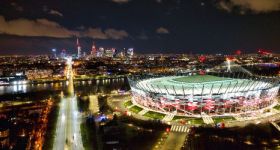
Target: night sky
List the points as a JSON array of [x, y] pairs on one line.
[[149, 26]]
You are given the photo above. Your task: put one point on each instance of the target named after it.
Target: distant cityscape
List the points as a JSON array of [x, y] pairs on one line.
[[97, 52], [109, 61]]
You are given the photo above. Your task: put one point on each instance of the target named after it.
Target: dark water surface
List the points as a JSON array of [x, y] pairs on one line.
[[40, 91]]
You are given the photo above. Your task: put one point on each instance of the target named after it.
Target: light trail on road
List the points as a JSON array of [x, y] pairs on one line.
[[68, 135]]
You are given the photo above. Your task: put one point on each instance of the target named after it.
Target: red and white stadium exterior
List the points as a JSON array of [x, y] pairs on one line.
[[217, 98]]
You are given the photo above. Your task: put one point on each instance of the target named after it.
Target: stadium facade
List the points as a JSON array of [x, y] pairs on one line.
[[216, 94]]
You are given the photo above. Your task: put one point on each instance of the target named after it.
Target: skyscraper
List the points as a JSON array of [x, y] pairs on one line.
[[100, 52], [130, 52], [110, 52], [54, 52], [79, 49], [93, 50], [63, 53]]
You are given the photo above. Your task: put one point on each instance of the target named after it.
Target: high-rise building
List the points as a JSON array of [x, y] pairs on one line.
[[100, 52], [93, 50], [130, 52], [110, 52], [54, 52], [120, 54], [63, 53], [79, 49]]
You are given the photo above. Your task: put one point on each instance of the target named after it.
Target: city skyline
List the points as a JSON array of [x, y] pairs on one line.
[[155, 26]]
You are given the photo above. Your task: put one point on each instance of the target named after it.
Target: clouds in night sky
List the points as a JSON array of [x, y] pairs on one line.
[[55, 12], [52, 11], [254, 6], [97, 33], [162, 30], [116, 34], [17, 7], [46, 28], [120, 1], [38, 27]]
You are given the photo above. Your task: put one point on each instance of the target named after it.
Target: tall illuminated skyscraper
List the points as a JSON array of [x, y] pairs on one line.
[[54, 52], [130, 52], [63, 53], [93, 50], [100, 52], [79, 49], [110, 52]]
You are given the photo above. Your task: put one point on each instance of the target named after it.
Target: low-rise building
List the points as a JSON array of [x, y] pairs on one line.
[[38, 74]]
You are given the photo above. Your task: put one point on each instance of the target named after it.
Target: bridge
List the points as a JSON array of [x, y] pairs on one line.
[[68, 134]]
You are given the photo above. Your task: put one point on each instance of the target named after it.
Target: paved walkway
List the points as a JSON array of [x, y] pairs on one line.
[[275, 125], [242, 122], [179, 128], [113, 103], [130, 106], [142, 112], [239, 118], [169, 117], [256, 116], [275, 111], [207, 119]]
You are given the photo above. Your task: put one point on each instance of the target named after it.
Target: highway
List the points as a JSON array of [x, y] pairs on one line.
[[68, 135]]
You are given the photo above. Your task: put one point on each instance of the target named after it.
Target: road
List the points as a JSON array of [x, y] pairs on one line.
[[68, 135], [174, 141]]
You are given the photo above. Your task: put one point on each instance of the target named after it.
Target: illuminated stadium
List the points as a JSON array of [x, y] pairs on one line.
[[216, 93]]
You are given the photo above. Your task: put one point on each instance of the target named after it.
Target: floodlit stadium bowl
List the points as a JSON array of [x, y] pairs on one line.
[[214, 95]]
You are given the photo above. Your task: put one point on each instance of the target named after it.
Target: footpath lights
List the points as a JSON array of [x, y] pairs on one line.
[[101, 118], [167, 130]]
